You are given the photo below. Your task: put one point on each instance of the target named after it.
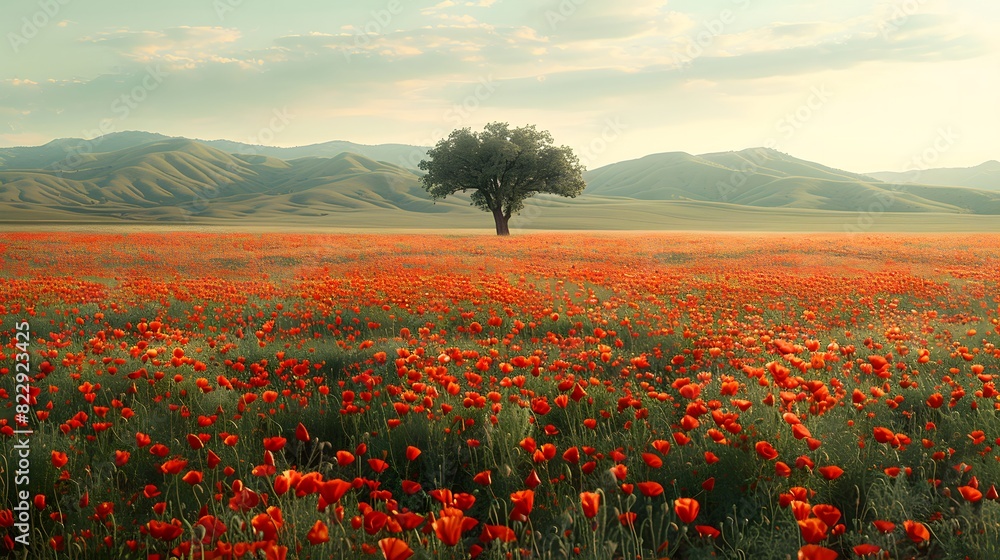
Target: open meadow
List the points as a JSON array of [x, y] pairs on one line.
[[548, 395]]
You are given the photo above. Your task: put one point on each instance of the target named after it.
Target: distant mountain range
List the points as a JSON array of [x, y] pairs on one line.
[[985, 176], [60, 153], [769, 179], [182, 180], [142, 177]]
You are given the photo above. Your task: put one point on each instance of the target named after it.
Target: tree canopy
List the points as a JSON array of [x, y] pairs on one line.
[[502, 167]]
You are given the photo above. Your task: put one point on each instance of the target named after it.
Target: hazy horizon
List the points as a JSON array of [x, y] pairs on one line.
[[886, 87], [87, 147]]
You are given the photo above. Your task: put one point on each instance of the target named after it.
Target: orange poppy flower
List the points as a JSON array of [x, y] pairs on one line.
[[916, 531], [813, 529], [831, 472], [816, 552], [318, 534], [651, 489], [765, 450], [523, 501], [395, 549], [591, 502], [59, 459], [686, 509]]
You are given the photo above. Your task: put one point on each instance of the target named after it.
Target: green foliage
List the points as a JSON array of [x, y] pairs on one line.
[[502, 167]]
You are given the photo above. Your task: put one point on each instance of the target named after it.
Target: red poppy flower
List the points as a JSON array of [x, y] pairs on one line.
[[707, 531], [813, 529], [884, 527], [828, 513], [412, 453], [867, 549], [883, 435], [917, 531], [650, 489], [686, 509], [301, 433], [572, 455], [532, 480], [500, 533], [816, 552], [173, 466], [483, 478], [619, 471], [395, 549], [59, 459], [765, 450], [800, 510], [935, 400], [121, 458], [408, 520], [193, 477], [451, 524], [523, 501], [831, 472], [970, 494], [652, 460], [344, 458], [591, 502], [194, 442], [661, 445], [274, 444], [333, 490], [165, 531]]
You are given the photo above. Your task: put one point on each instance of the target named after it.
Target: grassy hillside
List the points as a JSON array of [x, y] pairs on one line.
[[180, 181], [985, 176], [769, 179], [69, 153]]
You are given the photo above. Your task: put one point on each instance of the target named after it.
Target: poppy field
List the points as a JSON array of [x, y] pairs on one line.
[[272, 396]]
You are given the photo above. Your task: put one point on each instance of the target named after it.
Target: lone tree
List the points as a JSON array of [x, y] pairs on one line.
[[502, 167]]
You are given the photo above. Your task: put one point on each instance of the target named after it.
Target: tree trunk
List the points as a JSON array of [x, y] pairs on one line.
[[501, 222]]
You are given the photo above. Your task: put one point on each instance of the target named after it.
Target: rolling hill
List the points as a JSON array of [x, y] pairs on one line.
[[66, 152], [179, 179], [985, 176], [151, 179], [765, 178]]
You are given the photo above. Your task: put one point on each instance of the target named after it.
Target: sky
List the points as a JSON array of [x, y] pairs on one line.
[[860, 85]]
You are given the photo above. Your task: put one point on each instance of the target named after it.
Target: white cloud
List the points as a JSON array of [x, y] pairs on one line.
[[185, 47]]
